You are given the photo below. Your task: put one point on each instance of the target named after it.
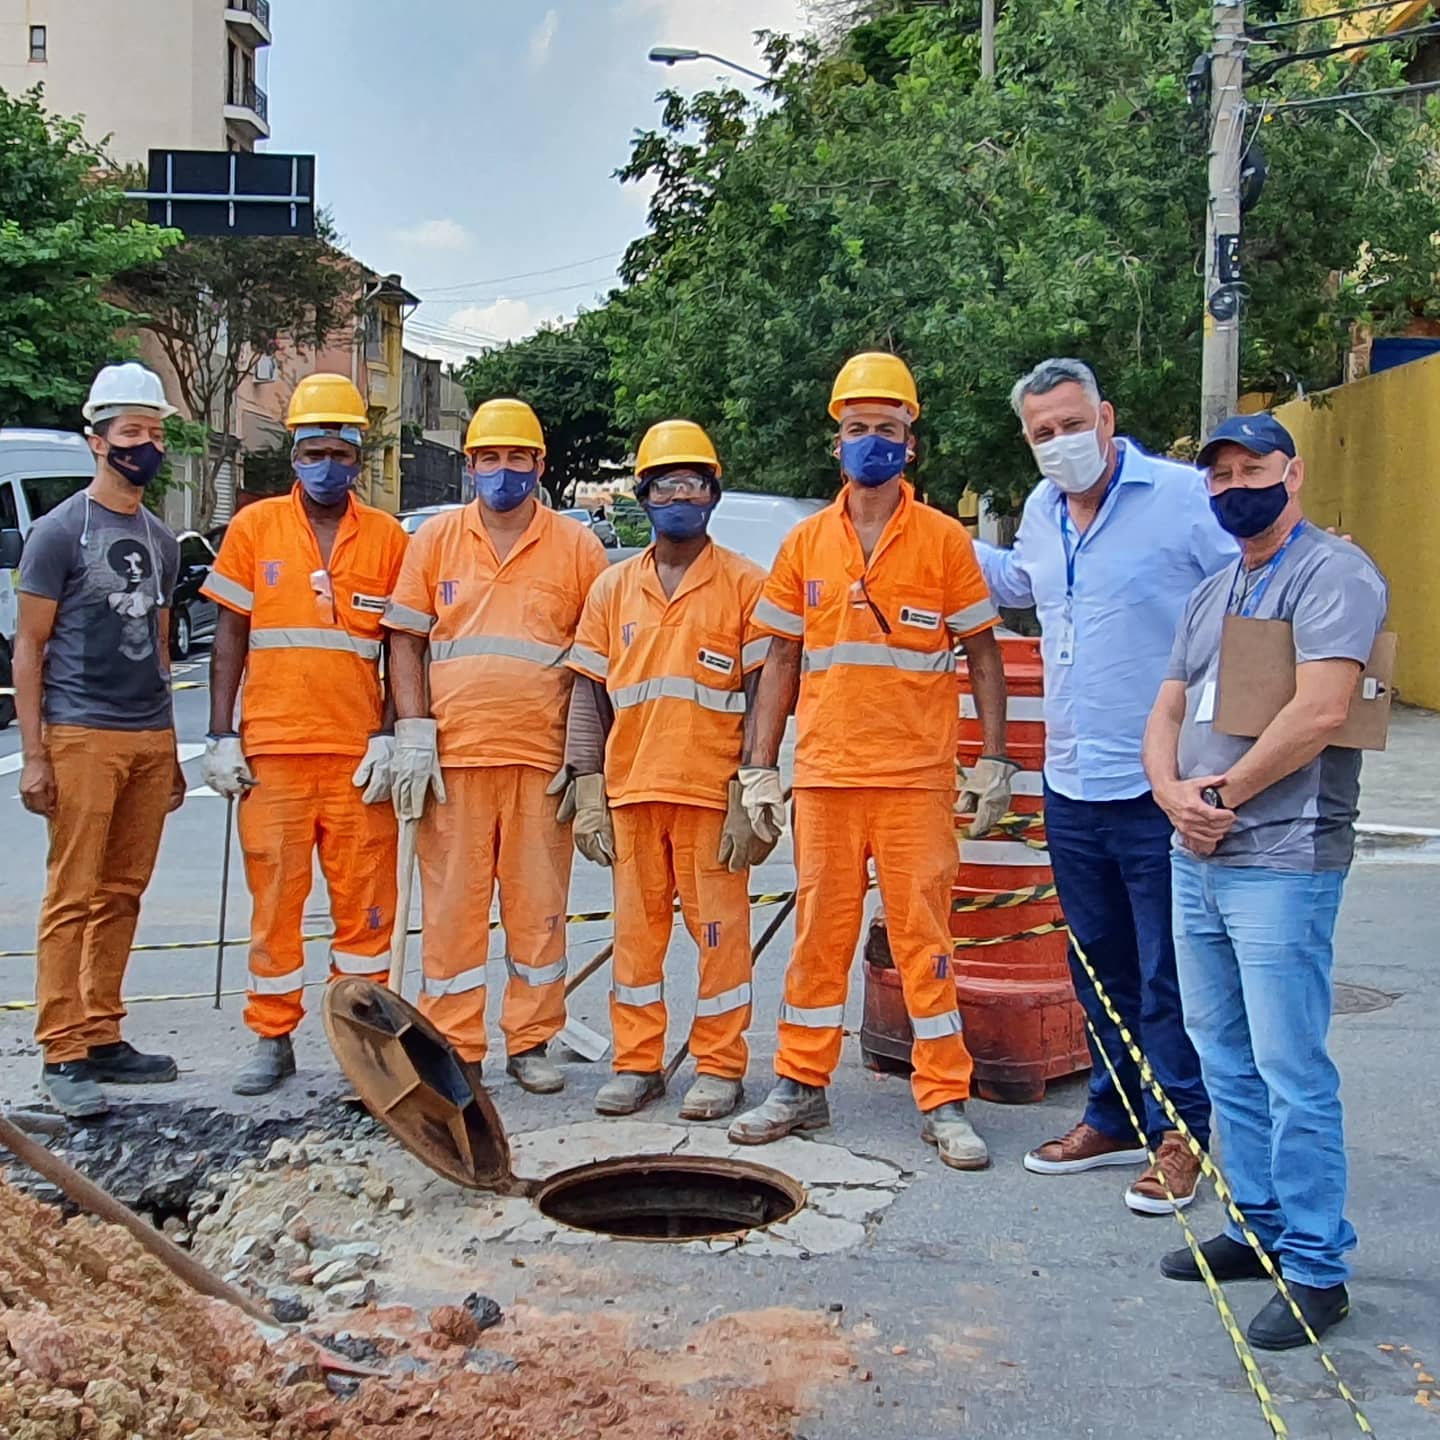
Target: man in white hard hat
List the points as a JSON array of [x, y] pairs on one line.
[[92, 691]]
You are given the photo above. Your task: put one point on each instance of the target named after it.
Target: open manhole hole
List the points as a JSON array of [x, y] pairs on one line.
[[434, 1104]]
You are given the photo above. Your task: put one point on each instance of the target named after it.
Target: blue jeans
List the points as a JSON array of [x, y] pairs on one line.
[[1255, 948], [1112, 868]]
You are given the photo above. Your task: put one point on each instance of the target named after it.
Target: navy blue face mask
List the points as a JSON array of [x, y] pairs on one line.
[[327, 481], [873, 459], [680, 519], [139, 464], [502, 489], [1246, 513]]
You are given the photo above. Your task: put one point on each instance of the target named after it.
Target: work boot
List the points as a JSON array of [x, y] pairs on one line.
[[73, 1091], [1276, 1326], [536, 1072], [789, 1107], [1228, 1260], [272, 1063], [122, 1064], [711, 1097], [948, 1129], [627, 1091]]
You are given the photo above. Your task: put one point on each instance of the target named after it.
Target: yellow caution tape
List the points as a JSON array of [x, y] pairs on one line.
[[1227, 1198], [966, 942], [1004, 899]]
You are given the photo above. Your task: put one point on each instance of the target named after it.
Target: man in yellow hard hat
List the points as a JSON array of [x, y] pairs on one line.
[[667, 653], [482, 620], [864, 606], [302, 581]]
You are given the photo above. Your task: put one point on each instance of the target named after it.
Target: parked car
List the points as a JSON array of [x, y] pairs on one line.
[[603, 530], [756, 524], [193, 616]]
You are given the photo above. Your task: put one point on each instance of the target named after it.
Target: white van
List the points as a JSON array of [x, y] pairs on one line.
[[755, 524], [38, 469]]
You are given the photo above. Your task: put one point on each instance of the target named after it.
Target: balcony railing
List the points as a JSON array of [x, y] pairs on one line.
[[251, 97]]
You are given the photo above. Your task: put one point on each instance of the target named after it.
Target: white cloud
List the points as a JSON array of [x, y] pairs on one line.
[[435, 235], [502, 320], [542, 38]]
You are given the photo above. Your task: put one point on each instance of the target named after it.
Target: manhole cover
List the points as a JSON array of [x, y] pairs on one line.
[[1357, 999]]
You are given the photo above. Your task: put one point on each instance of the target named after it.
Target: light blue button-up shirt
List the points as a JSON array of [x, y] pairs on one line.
[[1154, 540]]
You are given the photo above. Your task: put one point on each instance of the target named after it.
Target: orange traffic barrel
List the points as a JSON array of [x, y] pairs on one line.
[[1023, 1024]]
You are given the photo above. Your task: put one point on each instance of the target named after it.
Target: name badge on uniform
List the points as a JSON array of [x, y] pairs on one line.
[[919, 619], [1205, 706], [713, 661], [375, 604], [1065, 642]]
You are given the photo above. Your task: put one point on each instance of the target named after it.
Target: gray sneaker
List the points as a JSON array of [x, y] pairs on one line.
[[536, 1072], [949, 1130], [628, 1091], [73, 1090], [711, 1097], [272, 1063], [789, 1107]]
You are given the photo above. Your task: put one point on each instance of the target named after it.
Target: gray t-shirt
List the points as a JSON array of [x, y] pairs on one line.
[[111, 575], [1335, 600]]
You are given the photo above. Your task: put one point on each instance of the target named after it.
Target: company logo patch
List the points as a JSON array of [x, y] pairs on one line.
[[627, 632], [813, 591], [372, 917], [942, 966], [375, 604], [447, 591], [919, 619], [712, 933], [713, 661], [271, 570]]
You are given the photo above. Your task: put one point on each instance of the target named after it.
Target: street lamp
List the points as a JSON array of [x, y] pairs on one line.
[[674, 54]]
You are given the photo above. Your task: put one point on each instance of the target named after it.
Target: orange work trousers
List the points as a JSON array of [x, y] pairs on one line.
[[301, 804], [661, 849], [497, 824], [112, 793], [911, 836]]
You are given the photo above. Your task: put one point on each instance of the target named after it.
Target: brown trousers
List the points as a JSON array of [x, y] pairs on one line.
[[113, 790]]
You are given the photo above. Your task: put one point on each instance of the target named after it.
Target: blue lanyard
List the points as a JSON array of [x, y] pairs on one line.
[[1072, 555], [1250, 603]]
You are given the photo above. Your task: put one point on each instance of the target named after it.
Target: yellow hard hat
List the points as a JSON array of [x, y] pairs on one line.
[[505, 422], [326, 400], [676, 442], [875, 375]]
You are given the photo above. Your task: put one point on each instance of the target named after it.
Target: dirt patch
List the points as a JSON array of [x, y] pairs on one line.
[[99, 1342]]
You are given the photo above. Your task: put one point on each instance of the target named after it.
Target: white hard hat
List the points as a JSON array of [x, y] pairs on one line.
[[118, 388]]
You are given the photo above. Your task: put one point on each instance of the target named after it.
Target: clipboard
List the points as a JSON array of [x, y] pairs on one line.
[[1257, 681]]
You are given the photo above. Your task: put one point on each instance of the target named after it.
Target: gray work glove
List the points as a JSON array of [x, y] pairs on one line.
[[764, 802], [562, 783], [740, 846], [986, 793], [376, 771], [224, 767], [416, 768], [594, 833]]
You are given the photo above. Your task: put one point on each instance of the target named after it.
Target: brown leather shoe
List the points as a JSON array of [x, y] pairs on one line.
[[1150, 1195], [1083, 1148]]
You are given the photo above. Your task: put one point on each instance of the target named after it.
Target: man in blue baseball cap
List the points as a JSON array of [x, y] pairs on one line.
[[1264, 835]]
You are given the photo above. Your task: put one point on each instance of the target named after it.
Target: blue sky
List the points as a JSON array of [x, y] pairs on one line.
[[470, 143]]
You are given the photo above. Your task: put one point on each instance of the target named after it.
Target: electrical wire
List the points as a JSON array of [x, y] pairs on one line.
[[1356, 95], [1263, 72], [520, 275], [1333, 15]]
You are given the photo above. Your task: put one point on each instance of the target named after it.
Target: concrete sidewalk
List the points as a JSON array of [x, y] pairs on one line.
[[1400, 786]]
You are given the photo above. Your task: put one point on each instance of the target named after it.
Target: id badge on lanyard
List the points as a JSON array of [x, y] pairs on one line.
[[1065, 637]]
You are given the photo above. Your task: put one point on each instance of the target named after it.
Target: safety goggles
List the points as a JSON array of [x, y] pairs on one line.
[[678, 485]]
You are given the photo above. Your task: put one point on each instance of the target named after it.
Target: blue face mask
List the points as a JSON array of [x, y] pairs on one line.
[[872, 459], [504, 489], [328, 481], [1245, 513], [139, 464], [680, 519]]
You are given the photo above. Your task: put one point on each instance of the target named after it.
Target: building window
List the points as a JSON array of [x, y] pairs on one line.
[[37, 42]]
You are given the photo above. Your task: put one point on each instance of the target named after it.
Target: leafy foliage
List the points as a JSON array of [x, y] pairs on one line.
[[62, 238]]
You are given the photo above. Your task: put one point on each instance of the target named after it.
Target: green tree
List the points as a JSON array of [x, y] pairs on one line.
[[62, 238], [563, 374]]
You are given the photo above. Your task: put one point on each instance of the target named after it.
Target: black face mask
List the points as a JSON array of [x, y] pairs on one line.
[[1245, 513], [139, 464]]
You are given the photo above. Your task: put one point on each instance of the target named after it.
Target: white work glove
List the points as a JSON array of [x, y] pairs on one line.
[[376, 770], [224, 767], [562, 783], [415, 770], [764, 803], [986, 793], [594, 833], [740, 846]]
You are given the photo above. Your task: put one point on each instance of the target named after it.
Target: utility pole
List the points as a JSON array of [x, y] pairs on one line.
[[1220, 365], [987, 39]]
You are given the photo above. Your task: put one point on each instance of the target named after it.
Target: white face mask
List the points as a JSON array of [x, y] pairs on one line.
[[1072, 462]]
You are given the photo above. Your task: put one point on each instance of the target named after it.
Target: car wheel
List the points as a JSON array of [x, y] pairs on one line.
[[7, 679], [180, 637]]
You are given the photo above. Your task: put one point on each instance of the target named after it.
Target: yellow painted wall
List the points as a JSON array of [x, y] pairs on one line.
[[1372, 469]]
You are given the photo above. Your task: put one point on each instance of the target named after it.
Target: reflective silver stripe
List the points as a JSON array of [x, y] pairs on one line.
[[936, 1027], [223, 588], [585, 659], [754, 653], [473, 646], [1017, 707], [723, 1004], [678, 687], [785, 621], [537, 975], [639, 994], [348, 964], [967, 621], [285, 984], [461, 984], [821, 1017], [402, 617], [1000, 852], [307, 639], [878, 654]]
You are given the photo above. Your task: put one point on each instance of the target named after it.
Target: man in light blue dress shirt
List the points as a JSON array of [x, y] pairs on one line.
[[1111, 543]]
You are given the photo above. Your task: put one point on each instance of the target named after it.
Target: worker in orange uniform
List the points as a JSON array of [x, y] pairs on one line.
[[667, 652], [864, 605], [490, 596], [302, 581]]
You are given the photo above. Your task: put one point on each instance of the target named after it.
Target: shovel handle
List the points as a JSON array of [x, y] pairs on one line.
[[400, 935]]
